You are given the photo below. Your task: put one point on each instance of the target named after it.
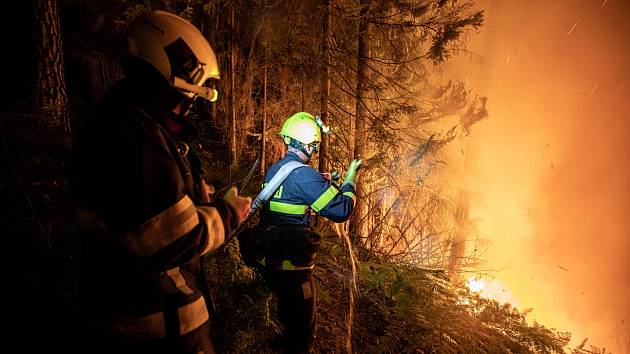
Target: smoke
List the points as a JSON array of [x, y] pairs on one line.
[[549, 171]]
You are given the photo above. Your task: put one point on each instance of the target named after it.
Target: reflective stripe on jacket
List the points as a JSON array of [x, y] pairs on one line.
[[305, 188], [153, 326]]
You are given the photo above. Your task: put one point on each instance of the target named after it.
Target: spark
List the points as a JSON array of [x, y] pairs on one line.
[[572, 28], [611, 85], [594, 88], [467, 82], [604, 3], [563, 268], [507, 60]]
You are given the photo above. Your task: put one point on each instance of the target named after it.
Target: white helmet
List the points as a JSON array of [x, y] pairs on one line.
[[177, 49]]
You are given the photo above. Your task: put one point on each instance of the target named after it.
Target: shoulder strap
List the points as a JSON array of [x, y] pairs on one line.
[[275, 182], [264, 196]]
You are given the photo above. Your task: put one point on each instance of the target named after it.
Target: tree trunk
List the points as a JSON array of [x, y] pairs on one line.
[[51, 99], [325, 81], [458, 246], [302, 92], [358, 219], [233, 156], [264, 121]]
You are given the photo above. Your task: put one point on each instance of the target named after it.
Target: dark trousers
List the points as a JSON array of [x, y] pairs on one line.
[[295, 291], [195, 342]]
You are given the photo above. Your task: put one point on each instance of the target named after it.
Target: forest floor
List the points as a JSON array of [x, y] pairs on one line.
[[395, 309]]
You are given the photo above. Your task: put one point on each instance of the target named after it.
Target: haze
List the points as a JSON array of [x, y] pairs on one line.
[[549, 170]]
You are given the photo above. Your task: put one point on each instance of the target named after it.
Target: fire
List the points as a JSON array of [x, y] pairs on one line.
[[491, 289], [476, 285]]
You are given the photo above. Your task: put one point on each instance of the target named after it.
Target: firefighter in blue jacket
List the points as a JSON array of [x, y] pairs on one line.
[[291, 244]]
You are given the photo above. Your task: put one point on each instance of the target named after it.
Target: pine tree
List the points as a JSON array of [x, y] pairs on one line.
[[50, 94]]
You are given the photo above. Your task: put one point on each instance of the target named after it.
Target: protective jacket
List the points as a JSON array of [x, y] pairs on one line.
[[305, 189], [142, 222]]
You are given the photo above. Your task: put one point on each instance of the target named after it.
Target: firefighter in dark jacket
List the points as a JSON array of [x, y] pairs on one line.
[[291, 244], [142, 206]]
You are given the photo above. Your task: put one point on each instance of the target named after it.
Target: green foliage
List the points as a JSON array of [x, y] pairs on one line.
[[418, 310], [244, 317], [451, 31], [581, 349], [399, 309]]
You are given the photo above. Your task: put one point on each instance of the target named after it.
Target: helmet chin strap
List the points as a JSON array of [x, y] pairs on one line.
[[296, 145], [303, 150]]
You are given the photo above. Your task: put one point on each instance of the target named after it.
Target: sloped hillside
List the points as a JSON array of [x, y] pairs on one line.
[[395, 309]]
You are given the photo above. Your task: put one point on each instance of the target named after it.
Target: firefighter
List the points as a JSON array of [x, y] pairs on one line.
[[287, 242], [142, 206]]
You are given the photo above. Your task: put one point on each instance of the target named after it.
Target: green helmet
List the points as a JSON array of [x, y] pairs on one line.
[[302, 127]]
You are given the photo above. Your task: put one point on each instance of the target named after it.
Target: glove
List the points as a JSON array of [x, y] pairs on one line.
[[241, 205], [331, 177], [352, 172]]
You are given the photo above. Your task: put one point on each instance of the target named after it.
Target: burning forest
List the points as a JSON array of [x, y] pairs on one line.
[[327, 176]]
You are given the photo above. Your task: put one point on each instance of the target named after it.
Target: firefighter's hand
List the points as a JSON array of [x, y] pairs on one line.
[[331, 177], [241, 205], [207, 191], [352, 172]]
